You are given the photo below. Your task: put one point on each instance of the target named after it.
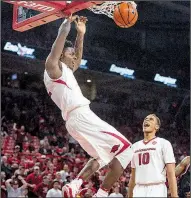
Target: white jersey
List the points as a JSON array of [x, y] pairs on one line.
[[149, 160], [65, 91], [54, 193]]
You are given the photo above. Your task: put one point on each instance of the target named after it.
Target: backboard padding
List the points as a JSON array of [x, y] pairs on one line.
[[49, 11]]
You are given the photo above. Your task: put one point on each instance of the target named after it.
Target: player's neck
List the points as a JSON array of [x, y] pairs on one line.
[[149, 136]]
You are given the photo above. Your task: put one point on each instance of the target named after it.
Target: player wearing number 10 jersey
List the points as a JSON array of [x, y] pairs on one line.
[[153, 158]]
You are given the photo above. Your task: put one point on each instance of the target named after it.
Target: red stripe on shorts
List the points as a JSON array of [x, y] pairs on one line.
[[70, 192], [125, 143], [61, 82]]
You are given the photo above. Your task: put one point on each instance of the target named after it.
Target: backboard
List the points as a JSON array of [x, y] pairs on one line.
[[30, 14]]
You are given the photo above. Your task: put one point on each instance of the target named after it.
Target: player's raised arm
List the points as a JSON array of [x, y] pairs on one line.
[[169, 160], [53, 59], [81, 30]]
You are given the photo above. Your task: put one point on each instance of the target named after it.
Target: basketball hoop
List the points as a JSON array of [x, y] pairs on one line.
[[48, 11], [108, 7]]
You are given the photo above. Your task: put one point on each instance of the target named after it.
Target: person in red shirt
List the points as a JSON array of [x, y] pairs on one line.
[[43, 162], [33, 180], [42, 188], [15, 158], [57, 164], [50, 170]]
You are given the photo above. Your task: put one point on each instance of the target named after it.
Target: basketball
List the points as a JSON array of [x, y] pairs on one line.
[[125, 15]]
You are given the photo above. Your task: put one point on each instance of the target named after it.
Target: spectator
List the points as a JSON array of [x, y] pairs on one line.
[[59, 178], [21, 171], [43, 162], [65, 172], [116, 193], [55, 192], [42, 188], [50, 178], [13, 189], [6, 167], [3, 187], [33, 180], [51, 169], [20, 136], [24, 193]]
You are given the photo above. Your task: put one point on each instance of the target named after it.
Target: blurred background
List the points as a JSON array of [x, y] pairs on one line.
[[126, 73]]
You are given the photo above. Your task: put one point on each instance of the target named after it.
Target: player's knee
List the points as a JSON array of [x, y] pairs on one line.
[[115, 165]]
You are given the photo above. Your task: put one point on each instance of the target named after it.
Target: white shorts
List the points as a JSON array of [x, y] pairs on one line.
[[99, 139], [159, 190]]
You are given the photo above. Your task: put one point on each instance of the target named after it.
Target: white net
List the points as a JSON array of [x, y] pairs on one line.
[[108, 7]]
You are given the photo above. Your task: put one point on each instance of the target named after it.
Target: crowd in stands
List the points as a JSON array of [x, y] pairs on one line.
[[39, 156]]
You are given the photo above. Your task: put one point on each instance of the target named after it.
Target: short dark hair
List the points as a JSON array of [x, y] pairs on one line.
[[55, 181], [158, 120], [68, 44]]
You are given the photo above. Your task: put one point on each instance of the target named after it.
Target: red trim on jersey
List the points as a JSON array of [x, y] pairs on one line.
[[125, 143], [61, 82], [149, 141]]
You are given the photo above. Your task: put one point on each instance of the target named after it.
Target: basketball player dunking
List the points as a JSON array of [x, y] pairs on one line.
[[152, 158], [100, 140], [183, 173]]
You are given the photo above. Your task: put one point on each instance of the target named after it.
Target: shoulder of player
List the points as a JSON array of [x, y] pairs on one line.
[[137, 143], [163, 141]]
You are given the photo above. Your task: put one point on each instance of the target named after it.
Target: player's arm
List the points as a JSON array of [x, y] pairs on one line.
[[81, 29], [53, 59], [181, 167], [131, 183], [169, 160], [170, 168]]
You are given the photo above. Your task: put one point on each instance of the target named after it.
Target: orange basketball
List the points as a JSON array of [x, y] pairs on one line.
[[125, 15]]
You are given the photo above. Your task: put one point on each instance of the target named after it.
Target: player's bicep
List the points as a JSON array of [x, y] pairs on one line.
[[170, 169]]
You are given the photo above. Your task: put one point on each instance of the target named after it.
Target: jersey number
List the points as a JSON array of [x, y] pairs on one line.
[[144, 158]]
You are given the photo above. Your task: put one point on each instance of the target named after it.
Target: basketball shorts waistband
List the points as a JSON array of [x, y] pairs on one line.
[[150, 184]]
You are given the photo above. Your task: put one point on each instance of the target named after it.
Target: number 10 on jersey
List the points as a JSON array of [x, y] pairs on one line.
[[144, 158]]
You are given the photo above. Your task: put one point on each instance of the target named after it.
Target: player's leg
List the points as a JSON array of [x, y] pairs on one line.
[[91, 167], [112, 176], [117, 166], [70, 190], [101, 141]]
